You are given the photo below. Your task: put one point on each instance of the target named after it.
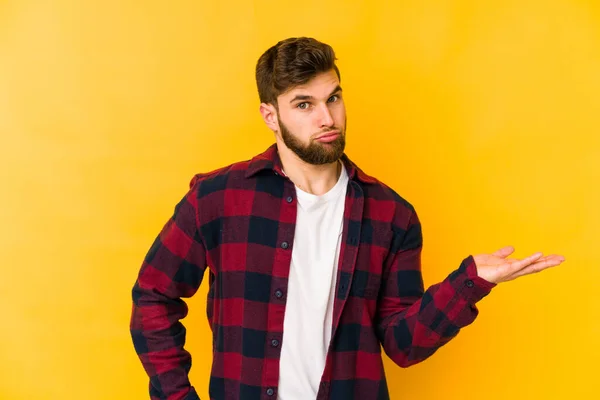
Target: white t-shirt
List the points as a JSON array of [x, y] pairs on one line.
[[311, 291]]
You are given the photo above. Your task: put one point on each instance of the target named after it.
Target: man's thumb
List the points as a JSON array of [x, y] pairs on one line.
[[504, 252]]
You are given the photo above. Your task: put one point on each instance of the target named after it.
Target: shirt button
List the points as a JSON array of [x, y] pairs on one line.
[[469, 283], [274, 342], [278, 294], [284, 245], [289, 199], [270, 391]]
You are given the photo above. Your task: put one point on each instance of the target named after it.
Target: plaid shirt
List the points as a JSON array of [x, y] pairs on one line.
[[238, 222]]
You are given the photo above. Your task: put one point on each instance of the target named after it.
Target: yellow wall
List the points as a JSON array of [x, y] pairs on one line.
[[485, 115]]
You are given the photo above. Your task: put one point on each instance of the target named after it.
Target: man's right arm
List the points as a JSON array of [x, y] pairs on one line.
[[172, 269]]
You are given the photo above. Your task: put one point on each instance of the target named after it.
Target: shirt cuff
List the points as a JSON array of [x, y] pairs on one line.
[[468, 284]]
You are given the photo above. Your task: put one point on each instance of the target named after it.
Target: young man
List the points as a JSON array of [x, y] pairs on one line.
[[313, 265]]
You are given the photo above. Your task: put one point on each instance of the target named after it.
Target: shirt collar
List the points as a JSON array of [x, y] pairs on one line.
[[270, 160]]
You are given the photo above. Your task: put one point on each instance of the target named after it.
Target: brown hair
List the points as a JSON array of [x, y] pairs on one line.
[[289, 63]]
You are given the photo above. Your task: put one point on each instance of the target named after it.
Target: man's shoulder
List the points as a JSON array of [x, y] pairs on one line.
[[385, 203], [235, 173], [221, 177], [374, 188], [379, 191], [225, 171]]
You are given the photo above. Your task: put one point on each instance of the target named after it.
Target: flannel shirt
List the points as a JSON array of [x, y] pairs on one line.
[[238, 223]]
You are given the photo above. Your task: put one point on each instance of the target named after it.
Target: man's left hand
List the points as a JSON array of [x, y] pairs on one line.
[[496, 267]]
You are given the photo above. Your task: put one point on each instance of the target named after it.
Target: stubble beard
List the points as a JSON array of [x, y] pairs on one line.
[[314, 153]]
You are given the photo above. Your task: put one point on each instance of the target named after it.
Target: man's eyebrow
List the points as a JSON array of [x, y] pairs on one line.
[[338, 88], [298, 97], [301, 97]]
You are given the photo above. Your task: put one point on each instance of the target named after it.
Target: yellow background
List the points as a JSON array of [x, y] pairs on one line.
[[485, 115]]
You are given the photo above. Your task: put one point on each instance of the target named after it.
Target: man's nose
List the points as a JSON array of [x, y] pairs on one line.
[[325, 117]]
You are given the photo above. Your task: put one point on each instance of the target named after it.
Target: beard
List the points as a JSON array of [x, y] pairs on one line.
[[314, 153]]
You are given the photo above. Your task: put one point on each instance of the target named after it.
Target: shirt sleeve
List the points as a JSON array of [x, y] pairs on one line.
[[412, 323], [171, 270]]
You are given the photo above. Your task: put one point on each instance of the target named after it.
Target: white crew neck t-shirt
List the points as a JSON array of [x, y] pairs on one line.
[[311, 291]]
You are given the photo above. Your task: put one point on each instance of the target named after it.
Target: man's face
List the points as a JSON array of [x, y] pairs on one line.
[[312, 119]]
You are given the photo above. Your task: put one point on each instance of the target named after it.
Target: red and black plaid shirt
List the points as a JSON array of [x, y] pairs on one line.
[[238, 222]]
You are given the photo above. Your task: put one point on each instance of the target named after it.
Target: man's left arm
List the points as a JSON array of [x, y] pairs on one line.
[[412, 323]]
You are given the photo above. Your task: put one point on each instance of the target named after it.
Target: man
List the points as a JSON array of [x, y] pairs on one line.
[[313, 265]]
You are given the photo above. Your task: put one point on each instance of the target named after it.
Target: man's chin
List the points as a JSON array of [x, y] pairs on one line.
[[329, 156]]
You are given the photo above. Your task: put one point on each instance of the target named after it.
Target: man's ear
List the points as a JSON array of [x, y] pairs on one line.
[[269, 115]]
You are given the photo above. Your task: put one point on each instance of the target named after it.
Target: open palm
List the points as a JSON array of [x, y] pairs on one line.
[[496, 267]]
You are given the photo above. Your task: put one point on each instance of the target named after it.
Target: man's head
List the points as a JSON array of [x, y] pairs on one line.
[[301, 98]]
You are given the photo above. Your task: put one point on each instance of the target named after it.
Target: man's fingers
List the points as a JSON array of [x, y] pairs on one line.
[[519, 265], [540, 265]]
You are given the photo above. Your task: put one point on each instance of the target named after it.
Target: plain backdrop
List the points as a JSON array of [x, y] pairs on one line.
[[484, 115]]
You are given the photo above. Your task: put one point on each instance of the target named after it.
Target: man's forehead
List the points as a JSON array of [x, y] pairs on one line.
[[320, 83]]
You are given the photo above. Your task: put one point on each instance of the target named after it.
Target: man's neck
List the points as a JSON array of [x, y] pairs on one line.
[[314, 179]]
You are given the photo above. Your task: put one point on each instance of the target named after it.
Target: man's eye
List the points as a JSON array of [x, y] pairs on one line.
[[333, 98], [303, 106]]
